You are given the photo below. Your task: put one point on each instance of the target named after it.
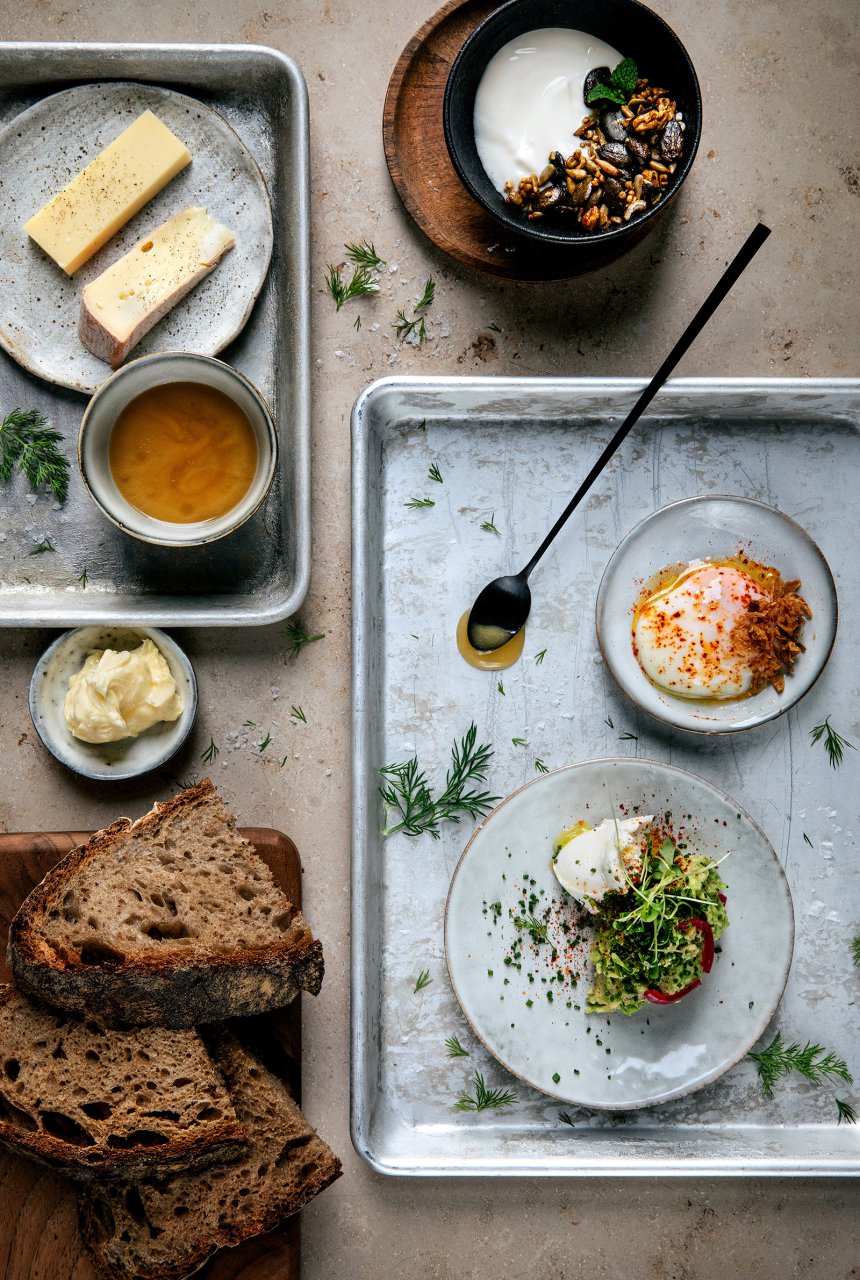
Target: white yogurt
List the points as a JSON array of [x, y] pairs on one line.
[[529, 100]]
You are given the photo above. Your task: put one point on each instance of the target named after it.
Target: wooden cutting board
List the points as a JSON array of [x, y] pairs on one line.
[[38, 1209]]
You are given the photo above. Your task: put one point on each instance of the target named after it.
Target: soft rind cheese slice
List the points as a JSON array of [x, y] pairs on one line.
[[126, 300], [132, 169]]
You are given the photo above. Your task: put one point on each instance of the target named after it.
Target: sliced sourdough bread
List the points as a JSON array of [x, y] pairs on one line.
[[166, 1229], [96, 1103], [172, 920]]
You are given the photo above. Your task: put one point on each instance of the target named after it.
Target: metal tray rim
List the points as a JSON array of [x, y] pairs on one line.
[[174, 51], [361, 1085]]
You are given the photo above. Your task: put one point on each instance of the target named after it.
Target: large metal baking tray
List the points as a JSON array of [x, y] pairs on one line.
[[516, 447], [259, 574]]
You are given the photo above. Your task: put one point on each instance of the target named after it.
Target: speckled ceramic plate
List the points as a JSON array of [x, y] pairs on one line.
[[44, 147], [613, 1062], [110, 761], [699, 528]]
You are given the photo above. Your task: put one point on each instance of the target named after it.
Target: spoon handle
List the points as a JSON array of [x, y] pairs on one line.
[[733, 271]]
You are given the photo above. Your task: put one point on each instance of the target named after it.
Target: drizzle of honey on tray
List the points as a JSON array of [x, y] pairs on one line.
[[183, 452], [494, 659]]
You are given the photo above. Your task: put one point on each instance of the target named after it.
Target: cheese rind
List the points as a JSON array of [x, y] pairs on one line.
[[132, 295], [132, 169]]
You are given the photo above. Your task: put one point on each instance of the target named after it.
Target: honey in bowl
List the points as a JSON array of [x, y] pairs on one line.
[[183, 452]]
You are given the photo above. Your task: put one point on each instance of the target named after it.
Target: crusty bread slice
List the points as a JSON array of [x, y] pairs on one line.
[[172, 919], [165, 1230], [96, 1103]]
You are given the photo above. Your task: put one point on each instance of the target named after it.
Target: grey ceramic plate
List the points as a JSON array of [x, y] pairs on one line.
[[699, 528], [110, 761], [593, 1060], [44, 147]]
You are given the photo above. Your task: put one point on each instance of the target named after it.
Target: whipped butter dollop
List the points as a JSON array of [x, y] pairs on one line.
[[119, 695], [592, 861]]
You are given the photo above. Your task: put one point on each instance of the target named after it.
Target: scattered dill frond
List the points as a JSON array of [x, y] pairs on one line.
[[628, 737], [284, 761], [540, 766], [423, 980], [500, 688], [608, 721], [407, 795], [414, 503], [361, 284], [427, 297], [45, 545], [435, 474], [565, 1118], [405, 326], [812, 1061], [249, 724], [519, 742], [211, 751], [846, 1112], [356, 324], [539, 657], [537, 930], [264, 743], [83, 579], [27, 444], [485, 1099], [834, 743], [489, 526], [855, 950], [365, 255], [455, 1049], [298, 638], [495, 328], [807, 839], [298, 714]]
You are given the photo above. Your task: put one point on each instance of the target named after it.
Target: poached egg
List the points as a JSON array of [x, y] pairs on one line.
[[590, 862]]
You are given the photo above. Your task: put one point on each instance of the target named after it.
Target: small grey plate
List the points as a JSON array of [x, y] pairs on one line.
[[111, 760], [44, 147], [699, 529], [614, 1062]]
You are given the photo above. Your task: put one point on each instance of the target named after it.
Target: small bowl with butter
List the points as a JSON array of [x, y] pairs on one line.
[[178, 449], [113, 702]]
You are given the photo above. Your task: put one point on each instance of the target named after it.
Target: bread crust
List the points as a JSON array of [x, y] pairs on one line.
[[224, 1142], [153, 990]]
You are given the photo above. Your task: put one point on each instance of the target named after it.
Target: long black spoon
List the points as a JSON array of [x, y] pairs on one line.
[[501, 610]]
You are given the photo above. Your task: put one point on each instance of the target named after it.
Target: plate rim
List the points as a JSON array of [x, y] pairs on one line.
[[728, 726], [83, 387], [782, 879]]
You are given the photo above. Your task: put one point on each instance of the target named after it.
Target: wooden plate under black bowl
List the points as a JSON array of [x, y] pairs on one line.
[[39, 1237], [421, 168]]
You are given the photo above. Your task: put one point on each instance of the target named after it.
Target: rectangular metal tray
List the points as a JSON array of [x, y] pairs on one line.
[[516, 447], [259, 574]]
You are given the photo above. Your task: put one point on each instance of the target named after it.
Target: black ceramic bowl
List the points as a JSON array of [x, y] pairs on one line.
[[627, 25]]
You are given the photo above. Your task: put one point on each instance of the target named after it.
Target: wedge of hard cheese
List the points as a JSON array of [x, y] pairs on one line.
[[111, 189], [126, 300]]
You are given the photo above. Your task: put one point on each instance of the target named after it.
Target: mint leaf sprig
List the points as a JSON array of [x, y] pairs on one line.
[[621, 85]]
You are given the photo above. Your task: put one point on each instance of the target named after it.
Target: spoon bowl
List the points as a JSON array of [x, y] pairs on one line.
[[499, 612]]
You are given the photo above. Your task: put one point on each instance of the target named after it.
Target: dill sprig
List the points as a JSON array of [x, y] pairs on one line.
[[362, 283], [455, 1049], [812, 1061], [485, 1099], [855, 950], [83, 579], [211, 752], [423, 980], [566, 1119], [539, 657], [405, 326], [298, 714], [834, 743], [540, 767], [537, 930], [435, 474], [500, 688], [489, 526], [298, 638], [45, 545], [28, 444], [626, 736], [845, 1112], [807, 840], [415, 503], [407, 795], [262, 747], [365, 255]]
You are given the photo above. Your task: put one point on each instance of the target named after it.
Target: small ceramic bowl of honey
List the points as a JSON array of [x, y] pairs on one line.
[[177, 449]]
